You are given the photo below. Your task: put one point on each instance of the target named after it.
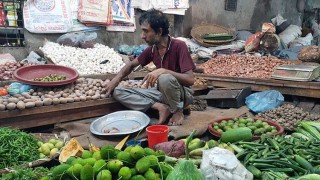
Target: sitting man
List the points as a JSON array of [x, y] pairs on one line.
[[168, 85]]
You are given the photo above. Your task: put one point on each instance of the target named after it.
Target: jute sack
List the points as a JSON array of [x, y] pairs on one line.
[[310, 54]]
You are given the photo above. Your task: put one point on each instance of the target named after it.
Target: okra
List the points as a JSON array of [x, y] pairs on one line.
[[236, 148], [265, 150], [246, 158], [292, 161], [293, 166], [245, 146], [273, 143], [263, 165], [317, 162], [290, 151], [241, 155], [278, 169], [263, 160], [260, 153], [249, 143], [253, 157]]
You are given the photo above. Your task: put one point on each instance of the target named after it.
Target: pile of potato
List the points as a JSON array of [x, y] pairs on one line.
[[83, 89], [242, 66], [7, 69], [288, 115]]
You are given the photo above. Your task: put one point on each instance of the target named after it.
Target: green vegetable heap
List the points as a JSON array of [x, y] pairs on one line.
[[16, 148], [133, 163], [51, 77]]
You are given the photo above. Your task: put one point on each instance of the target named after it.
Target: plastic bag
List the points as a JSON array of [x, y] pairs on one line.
[[302, 41], [87, 40], [278, 20], [221, 164], [137, 50], [290, 34], [125, 49], [18, 88], [264, 101], [34, 58], [204, 52], [69, 39]]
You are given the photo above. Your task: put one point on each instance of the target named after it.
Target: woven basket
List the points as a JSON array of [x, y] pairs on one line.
[[198, 31]]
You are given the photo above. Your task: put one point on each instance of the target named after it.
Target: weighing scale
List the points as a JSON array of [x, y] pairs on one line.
[[296, 72]]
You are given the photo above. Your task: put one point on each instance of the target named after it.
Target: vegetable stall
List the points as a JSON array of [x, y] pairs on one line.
[[264, 146], [281, 143]]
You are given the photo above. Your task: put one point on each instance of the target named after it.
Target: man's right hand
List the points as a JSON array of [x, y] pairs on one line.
[[125, 71], [110, 86]]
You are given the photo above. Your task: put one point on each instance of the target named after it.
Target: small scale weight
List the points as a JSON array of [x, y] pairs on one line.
[[296, 72]]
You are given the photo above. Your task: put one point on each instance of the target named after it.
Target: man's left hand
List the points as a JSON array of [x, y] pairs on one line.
[[151, 78]]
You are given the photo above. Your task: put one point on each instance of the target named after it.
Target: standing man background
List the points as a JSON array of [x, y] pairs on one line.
[[168, 85]]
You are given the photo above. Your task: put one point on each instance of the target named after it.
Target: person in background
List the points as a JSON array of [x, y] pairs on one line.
[[167, 87]]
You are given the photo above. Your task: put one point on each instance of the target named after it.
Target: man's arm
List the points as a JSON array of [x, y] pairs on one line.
[[185, 79], [125, 71]]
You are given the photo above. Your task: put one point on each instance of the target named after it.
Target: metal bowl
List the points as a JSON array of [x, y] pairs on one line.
[[126, 122]]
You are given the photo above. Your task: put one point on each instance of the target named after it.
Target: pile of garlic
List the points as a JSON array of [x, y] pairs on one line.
[[85, 61]]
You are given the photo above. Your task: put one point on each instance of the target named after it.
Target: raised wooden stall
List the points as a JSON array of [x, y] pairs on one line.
[[53, 114], [305, 89]]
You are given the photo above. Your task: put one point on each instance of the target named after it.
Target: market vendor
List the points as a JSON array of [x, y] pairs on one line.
[[168, 85]]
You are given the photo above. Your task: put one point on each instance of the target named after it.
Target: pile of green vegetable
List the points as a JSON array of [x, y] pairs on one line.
[[134, 162], [258, 127], [17, 147], [285, 154], [51, 77]]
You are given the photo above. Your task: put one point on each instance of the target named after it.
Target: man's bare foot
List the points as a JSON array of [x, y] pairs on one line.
[[177, 118], [164, 112]]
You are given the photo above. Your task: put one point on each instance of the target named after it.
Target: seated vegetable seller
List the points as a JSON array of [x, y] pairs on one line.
[[168, 85]]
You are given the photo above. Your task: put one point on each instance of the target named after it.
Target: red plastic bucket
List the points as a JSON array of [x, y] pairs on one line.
[[157, 134]]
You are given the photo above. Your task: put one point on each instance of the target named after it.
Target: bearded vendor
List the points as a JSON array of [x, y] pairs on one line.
[[168, 86]]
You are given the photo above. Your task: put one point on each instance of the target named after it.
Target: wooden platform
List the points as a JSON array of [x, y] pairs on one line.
[[305, 89], [53, 114]]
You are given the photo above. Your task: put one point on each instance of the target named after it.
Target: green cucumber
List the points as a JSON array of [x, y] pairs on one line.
[[238, 134]]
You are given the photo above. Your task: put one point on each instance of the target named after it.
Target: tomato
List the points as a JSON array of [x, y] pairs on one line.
[[3, 92]]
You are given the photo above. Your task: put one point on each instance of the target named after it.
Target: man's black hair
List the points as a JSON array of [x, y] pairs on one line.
[[156, 20]]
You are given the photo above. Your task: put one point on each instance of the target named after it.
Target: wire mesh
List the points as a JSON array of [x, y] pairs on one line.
[[11, 23]]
